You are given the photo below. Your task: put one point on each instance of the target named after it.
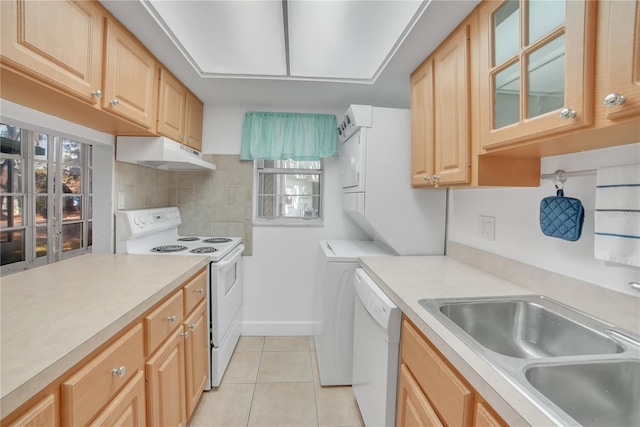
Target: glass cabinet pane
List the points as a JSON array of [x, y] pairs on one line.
[[545, 69], [506, 96], [506, 32], [544, 17]]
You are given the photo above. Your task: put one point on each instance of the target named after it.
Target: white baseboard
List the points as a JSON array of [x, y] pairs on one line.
[[250, 328]]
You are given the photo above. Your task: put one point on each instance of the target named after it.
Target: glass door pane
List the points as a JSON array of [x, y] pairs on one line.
[[506, 32], [506, 96], [545, 77], [544, 17]]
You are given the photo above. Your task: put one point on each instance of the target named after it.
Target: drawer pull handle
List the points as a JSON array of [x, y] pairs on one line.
[[97, 93], [185, 334], [199, 291], [114, 102], [614, 99], [172, 318], [118, 372], [193, 326]]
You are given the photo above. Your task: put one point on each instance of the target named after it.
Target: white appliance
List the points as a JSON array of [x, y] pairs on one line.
[[333, 316], [375, 155], [155, 232], [161, 153], [376, 348]]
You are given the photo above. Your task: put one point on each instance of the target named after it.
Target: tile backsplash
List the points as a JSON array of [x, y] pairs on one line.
[[211, 203]]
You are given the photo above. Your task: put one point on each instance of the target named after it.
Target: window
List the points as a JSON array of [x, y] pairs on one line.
[[288, 192], [45, 198]]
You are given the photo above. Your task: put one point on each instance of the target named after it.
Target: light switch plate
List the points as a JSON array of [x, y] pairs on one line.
[[487, 227]]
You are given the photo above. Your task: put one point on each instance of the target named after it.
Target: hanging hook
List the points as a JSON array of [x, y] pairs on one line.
[[559, 179]]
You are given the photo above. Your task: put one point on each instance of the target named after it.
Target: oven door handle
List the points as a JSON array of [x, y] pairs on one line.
[[232, 257]]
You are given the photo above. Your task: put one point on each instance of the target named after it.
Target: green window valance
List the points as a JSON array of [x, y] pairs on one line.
[[281, 136]]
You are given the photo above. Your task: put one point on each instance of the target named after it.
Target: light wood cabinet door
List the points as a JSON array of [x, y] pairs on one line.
[[172, 98], [58, 42], [43, 413], [485, 417], [452, 109], [536, 69], [414, 410], [422, 126], [166, 384], [196, 355], [194, 110], [130, 78], [128, 408], [618, 61], [87, 391]]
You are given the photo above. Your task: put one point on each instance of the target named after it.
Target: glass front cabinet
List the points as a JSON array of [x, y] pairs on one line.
[[536, 69]]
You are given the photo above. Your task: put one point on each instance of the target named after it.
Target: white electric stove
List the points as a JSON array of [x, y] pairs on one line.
[[155, 232]]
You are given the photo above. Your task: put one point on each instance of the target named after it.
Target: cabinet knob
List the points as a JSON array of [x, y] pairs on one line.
[[426, 178], [193, 326], [114, 102], [172, 318], [436, 178], [185, 334], [118, 372], [613, 99], [199, 291], [97, 93], [567, 113]]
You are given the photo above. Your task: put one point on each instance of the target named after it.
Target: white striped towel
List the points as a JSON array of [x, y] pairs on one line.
[[617, 215]]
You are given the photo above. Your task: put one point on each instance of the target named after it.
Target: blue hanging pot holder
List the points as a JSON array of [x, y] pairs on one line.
[[561, 217]]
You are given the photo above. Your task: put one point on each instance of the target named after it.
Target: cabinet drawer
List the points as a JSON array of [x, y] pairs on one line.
[[195, 291], [449, 394], [94, 385], [127, 408], [485, 417], [162, 321]]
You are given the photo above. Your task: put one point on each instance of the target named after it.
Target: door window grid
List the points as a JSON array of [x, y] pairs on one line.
[[288, 192], [55, 176]]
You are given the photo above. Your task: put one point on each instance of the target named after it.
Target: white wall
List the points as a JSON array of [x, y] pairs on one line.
[[517, 230], [279, 276]]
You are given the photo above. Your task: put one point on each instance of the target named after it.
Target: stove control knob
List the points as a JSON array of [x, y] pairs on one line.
[[136, 220]]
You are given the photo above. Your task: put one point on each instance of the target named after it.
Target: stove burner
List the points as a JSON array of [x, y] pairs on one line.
[[188, 239], [169, 248], [217, 240], [203, 250]]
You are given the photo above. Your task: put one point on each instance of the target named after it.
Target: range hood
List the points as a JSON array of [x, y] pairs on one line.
[[160, 153]]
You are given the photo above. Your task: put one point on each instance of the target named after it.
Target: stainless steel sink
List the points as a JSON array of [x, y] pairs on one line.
[[575, 368], [605, 393], [527, 329]]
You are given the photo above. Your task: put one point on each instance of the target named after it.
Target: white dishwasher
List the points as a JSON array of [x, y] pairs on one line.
[[376, 347]]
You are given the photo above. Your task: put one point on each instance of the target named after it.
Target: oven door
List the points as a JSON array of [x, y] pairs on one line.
[[226, 293]]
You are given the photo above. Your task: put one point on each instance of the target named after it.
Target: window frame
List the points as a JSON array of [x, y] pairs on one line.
[[55, 195], [282, 221]]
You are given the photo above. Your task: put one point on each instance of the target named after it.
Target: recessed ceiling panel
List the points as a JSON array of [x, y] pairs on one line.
[[226, 37], [350, 39]]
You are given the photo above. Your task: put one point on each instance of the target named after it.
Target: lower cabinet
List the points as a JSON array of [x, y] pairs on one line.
[[196, 355], [166, 385], [45, 412], [431, 392], [127, 408]]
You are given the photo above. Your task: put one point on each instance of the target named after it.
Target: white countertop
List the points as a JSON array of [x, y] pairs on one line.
[[54, 316], [406, 280]]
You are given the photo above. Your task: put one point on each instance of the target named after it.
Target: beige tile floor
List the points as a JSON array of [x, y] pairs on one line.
[[273, 381]]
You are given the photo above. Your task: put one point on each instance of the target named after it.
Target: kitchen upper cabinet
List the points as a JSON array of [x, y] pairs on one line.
[[57, 42], [440, 114], [618, 60], [130, 77], [179, 112], [422, 120], [536, 69], [431, 392]]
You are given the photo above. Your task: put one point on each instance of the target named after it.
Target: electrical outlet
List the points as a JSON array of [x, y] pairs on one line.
[[120, 200], [487, 227]]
